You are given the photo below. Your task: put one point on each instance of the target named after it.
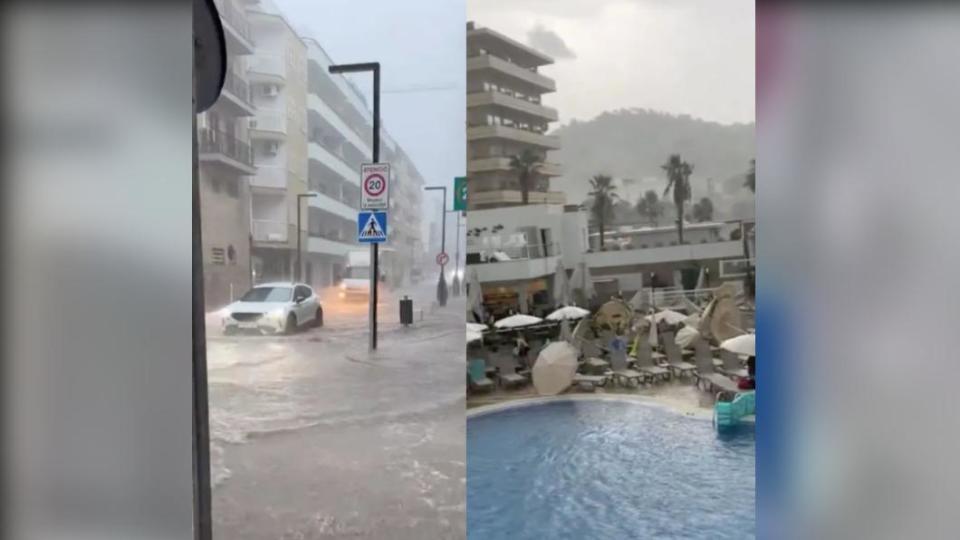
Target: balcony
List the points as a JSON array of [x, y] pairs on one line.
[[236, 28], [501, 99], [235, 98], [268, 125], [507, 197], [221, 149], [266, 69], [334, 206], [533, 138], [269, 231], [666, 254], [319, 244], [352, 135], [515, 263], [270, 177], [485, 164], [333, 162], [486, 62]]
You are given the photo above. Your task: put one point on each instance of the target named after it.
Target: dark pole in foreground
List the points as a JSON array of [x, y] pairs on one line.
[[299, 272], [442, 283], [374, 247]]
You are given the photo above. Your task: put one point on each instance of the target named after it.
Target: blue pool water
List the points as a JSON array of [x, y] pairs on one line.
[[606, 470]]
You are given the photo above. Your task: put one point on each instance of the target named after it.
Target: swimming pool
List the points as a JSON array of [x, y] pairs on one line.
[[606, 469]]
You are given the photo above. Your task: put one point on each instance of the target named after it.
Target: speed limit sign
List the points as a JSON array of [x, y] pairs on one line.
[[375, 186]]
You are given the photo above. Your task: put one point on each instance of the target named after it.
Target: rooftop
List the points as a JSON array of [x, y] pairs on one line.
[[505, 47]]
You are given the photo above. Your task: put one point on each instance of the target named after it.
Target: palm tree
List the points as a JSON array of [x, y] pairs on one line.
[[604, 194], [649, 207], [751, 180], [703, 210], [678, 178], [527, 165]]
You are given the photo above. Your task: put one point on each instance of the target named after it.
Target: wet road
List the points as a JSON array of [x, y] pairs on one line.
[[314, 436]]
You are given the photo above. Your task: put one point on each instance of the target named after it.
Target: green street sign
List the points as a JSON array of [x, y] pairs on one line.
[[460, 193]]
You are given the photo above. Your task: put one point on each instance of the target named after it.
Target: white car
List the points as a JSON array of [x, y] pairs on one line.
[[274, 308]]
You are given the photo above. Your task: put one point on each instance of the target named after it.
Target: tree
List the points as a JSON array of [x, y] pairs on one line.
[[678, 178], [703, 210], [604, 195], [751, 177], [649, 207], [527, 165]]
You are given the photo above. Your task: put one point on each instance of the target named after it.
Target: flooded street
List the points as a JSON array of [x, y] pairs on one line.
[[314, 436]]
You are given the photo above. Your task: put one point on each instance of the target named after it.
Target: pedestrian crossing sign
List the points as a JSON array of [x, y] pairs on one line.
[[371, 227]]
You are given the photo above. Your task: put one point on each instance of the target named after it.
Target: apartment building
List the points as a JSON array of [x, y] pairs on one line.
[[225, 165], [278, 134], [505, 118]]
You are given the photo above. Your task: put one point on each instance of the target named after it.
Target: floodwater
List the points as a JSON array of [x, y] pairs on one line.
[[314, 436]]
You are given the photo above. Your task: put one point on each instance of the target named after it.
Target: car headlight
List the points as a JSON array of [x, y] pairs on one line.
[[276, 314], [343, 285]]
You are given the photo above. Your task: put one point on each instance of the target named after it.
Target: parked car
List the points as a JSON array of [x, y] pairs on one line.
[[281, 307]]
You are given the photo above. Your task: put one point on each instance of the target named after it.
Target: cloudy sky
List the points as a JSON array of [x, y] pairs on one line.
[[679, 56]]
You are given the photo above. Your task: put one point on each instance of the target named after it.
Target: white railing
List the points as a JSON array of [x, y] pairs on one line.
[[267, 65], [270, 177], [269, 121], [269, 231]]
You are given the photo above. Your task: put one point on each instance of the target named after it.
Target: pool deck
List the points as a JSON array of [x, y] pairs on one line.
[[682, 396]]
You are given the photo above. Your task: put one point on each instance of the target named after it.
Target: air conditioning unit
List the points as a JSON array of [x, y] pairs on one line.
[[272, 148], [271, 90]]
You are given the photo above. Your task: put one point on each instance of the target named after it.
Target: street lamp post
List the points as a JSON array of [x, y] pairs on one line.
[[442, 283], [374, 247], [455, 285], [298, 274]]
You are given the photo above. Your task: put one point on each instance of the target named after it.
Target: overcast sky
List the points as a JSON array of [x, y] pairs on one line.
[[678, 56]]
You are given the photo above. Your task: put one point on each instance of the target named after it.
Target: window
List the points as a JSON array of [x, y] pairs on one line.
[[233, 189], [267, 294], [302, 292], [216, 184]]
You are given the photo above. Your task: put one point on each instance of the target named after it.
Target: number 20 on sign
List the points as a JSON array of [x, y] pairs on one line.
[[375, 186]]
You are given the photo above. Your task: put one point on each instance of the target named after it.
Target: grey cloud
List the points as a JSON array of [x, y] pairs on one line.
[[549, 42]]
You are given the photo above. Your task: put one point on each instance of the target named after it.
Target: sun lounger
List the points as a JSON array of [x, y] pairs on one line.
[[644, 363], [507, 374], [731, 366], [477, 370], [707, 379], [675, 361], [621, 372]]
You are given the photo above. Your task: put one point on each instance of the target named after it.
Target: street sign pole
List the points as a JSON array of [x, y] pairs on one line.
[[374, 251]]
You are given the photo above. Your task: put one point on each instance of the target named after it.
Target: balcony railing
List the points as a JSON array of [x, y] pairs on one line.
[[238, 87], [513, 253], [213, 141], [270, 177], [269, 231], [267, 64]]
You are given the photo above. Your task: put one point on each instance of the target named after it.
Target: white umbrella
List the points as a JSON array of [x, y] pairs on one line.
[[555, 367], [638, 301], [672, 317], [561, 285], [473, 336], [568, 312], [686, 337], [516, 321], [692, 321], [476, 327], [745, 345]]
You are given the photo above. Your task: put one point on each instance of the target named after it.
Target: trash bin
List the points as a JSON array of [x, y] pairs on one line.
[[406, 311]]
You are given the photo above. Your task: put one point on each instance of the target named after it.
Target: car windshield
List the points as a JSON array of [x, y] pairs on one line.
[[268, 294], [358, 272]]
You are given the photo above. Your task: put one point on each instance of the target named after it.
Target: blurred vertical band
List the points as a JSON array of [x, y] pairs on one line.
[[97, 262]]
